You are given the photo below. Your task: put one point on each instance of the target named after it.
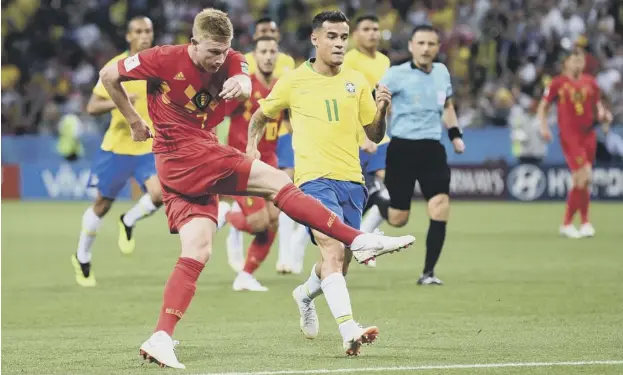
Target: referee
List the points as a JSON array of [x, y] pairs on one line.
[[421, 101]]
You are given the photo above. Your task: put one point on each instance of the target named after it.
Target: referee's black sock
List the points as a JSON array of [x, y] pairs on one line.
[[381, 202], [434, 242]]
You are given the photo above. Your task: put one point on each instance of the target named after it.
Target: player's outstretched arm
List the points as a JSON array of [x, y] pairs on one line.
[[111, 79], [452, 124], [257, 126]]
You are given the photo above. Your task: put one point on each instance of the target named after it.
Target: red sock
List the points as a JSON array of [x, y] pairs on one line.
[[258, 250], [574, 199], [585, 194], [238, 220], [308, 211], [178, 292]]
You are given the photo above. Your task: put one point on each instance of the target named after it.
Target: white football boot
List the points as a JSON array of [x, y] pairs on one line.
[[587, 230], [246, 281], [159, 349], [307, 309], [372, 245], [429, 279], [360, 336], [569, 231]]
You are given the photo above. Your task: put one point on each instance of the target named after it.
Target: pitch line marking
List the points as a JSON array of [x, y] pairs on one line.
[[422, 368]]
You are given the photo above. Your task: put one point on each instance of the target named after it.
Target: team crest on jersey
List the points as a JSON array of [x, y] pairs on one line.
[[350, 87], [244, 67], [202, 99]]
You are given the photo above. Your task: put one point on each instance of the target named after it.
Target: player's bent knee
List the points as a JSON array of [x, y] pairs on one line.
[[152, 185], [278, 181], [273, 225], [101, 206], [397, 218], [439, 207], [580, 178], [258, 221], [332, 250], [196, 238], [266, 181]]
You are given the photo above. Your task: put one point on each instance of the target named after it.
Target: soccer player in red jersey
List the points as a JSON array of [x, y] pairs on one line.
[[578, 107], [187, 87], [257, 216]]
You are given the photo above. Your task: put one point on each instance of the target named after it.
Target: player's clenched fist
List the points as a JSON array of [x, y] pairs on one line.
[[459, 145], [546, 134], [236, 88], [253, 152], [383, 96], [140, 131]]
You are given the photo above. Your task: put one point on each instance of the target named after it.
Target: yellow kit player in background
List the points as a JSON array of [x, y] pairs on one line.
[[119, 159], [328, 105]]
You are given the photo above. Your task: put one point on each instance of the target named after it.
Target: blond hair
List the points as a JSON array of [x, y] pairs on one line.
[[212, 24]]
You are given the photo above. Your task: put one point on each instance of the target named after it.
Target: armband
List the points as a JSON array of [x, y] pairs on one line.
[[455, 132]]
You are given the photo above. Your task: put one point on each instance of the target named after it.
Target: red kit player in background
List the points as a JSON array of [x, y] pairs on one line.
[[187, 87], [257, 216], [578, 106]]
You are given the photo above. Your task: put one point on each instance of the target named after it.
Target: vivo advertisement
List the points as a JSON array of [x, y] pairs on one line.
[[65, 181]]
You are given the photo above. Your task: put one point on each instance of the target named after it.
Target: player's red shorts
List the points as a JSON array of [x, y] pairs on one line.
[[579, 149], [250, 205], [193, 176]]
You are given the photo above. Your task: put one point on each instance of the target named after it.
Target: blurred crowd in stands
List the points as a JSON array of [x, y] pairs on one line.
[[501, 53]]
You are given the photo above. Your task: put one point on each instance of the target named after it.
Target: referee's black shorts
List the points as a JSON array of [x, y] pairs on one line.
[[408, 161]]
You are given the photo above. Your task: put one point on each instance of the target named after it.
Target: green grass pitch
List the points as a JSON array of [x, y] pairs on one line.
[[515, 293]]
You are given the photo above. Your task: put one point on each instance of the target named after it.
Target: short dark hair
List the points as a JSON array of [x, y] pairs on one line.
[[136, 18], [427, 28], [264, 38], [264, 20], [367, 17], [332, 16]]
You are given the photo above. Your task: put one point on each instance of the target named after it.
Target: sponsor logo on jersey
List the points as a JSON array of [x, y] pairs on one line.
[[131, 63]]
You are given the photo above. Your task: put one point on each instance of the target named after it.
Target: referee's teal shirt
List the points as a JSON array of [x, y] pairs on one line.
[[418, 100]]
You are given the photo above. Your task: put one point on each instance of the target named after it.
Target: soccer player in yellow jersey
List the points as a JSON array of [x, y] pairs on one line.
[[267, 27], [119, 159], [366, 59], [286, 262], [328, 104]]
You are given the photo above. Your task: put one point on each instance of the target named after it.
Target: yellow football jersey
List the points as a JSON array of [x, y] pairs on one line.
[[118, 138], [373, 68], [284, 64], [326, 114]]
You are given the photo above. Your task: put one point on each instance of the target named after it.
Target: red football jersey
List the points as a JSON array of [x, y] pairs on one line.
[[240, 116], [576, 100], [181, 97]]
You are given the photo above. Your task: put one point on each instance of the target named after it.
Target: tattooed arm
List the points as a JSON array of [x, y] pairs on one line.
[[257, 126], [377, 128]]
